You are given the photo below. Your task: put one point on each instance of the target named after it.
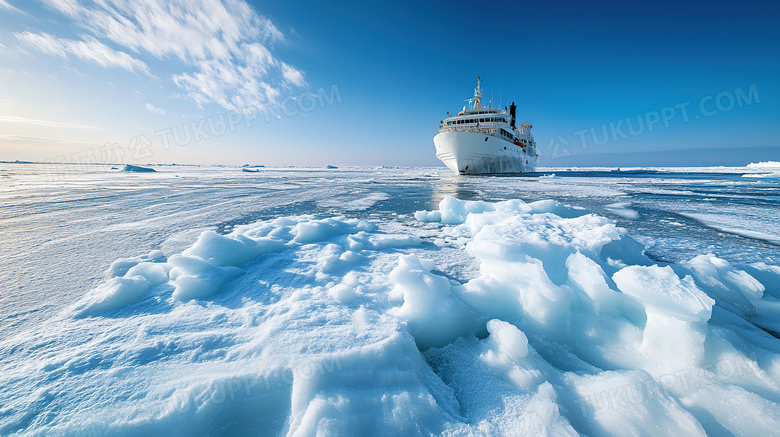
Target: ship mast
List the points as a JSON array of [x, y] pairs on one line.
[[478, 94]]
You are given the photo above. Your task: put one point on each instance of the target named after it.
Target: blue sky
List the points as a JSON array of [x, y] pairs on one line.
[[610, 83]]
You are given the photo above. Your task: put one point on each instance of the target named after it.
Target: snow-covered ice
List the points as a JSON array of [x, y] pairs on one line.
[[209, 301]]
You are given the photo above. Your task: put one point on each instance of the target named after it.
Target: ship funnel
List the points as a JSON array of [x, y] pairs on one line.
[[512, 109]]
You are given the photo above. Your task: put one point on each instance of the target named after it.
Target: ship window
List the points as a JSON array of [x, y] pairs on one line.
[[481, 120]]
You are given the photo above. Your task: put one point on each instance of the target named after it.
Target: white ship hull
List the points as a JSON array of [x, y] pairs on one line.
[[477, 153]]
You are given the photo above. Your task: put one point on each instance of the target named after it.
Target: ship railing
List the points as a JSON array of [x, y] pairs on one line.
[[483, 130]]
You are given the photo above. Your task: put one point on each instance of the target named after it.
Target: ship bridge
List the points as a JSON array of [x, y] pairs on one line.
[[488, 121]]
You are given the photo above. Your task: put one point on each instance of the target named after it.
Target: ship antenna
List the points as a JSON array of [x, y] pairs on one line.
[[478, 94]]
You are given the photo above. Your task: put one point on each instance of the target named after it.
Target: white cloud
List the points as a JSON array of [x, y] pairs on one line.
[[152, 108], [68, 7], [37, 122], [232, 87], [292, 75], [224, 45], [89, 49], [43, 43], [95, 51], [5, 5]]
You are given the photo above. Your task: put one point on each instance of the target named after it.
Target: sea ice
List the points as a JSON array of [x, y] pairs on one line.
[[330, 325]]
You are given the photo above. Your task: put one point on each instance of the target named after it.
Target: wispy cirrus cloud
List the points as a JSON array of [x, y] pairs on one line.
[[224, 45], [5, 5], [27, 139], [48, 123], [156, 110], [88, 49]]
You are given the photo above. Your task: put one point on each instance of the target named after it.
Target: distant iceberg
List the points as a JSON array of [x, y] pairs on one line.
[[136, 168], [764, 165], [330, 166], [771, 170]]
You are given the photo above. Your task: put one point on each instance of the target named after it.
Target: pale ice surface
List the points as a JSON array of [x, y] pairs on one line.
[[354, 301]]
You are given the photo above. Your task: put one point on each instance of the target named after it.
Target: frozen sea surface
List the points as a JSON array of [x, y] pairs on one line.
[[362, 301]]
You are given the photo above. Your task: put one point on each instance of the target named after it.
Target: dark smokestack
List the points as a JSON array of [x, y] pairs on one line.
[[512, 109]]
